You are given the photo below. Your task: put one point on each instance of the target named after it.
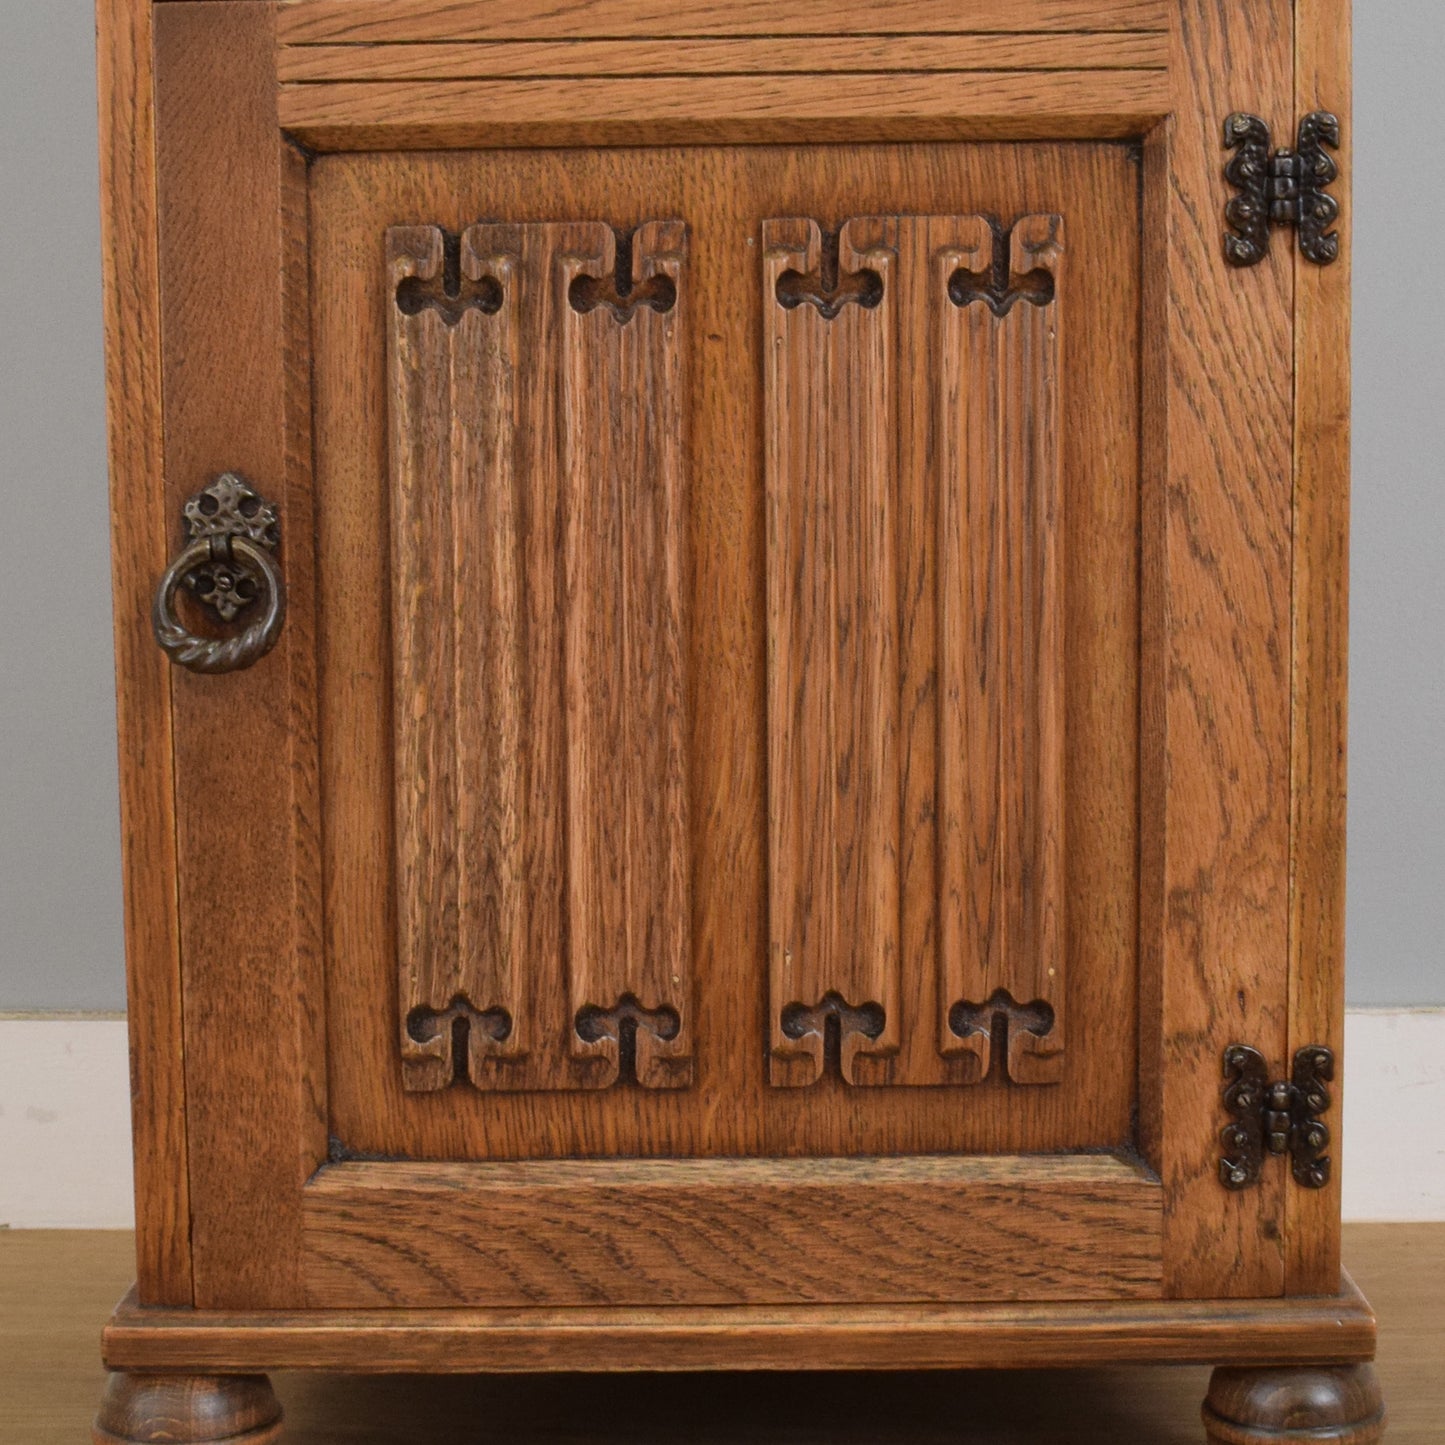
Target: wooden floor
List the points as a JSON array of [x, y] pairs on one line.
[[57, 1288]]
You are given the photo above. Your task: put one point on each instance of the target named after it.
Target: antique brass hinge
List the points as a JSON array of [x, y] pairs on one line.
[[1276, 1118], [1281, 188]]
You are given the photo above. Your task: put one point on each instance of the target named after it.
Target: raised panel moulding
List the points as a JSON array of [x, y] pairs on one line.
[[915, 699], [535, 394]]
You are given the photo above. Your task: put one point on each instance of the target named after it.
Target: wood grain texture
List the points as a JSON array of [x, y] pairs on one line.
[[530, 674], [56, 1285], [1338, 1328], [775, 55], [1341, 1403], [139, 544], [736, 1232], [859, 508], [236, 368], [724, 109], [725, 196], [1241, 713], [1000, 660], [1320, 608], [365, 21], [830, 465], [459, 647], [188, 1410], [623, 452], [1217, 778]]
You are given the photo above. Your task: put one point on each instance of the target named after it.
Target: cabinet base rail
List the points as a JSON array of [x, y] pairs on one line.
[[1314, 1330]]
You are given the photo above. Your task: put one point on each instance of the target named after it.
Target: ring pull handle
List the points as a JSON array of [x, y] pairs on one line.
[[228, 564]]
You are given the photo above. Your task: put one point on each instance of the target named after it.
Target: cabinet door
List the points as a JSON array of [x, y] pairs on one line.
[[775, 782]]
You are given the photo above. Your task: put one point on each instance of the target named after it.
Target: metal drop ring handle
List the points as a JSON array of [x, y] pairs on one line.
[[229, 565]]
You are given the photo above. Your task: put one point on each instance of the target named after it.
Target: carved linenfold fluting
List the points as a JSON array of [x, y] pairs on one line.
[[914, 519], [832, 658], [626, 1038], [832, 1031], [1005, 1025], [620, 290], [622, 450], [458, 285], [827, 286], [1001, 657], [1023, 270], [539, 701], [450, 1037]]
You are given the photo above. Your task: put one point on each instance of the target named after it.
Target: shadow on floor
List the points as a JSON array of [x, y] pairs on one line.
[[1159, 1406]]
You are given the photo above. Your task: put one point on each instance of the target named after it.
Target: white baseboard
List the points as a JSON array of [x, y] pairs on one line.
[[65, 1119], [1394, 1154], [65, 1123]]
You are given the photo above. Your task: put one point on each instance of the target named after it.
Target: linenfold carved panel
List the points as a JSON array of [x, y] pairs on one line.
[[537, 488], [915, 701]]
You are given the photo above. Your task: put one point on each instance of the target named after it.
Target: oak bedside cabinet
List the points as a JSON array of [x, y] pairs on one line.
[[731, 629]]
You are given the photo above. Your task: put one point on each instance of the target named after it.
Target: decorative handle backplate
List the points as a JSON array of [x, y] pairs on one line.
[[229, 566]]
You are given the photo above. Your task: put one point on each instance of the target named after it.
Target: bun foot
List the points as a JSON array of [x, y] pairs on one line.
[[1329, 1404], [188, 1410]]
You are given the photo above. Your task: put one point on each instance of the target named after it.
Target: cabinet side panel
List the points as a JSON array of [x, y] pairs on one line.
[[236, 378], [1321, 638], [130, 272], [1223, 898]]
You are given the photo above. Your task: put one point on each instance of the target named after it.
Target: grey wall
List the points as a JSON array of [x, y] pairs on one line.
[[1396, 937], [60, 916], [60, 937]]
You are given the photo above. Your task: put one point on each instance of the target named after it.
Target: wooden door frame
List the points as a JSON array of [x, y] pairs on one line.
[[220, 1066]]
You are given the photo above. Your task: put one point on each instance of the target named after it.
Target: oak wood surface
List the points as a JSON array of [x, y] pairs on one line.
[[357, 21], [725, 109], [539, 702], [1340, 1403], [1217, 547], [774, 55], [1002, 915], [622, 425], [57, 1286], [915, 611], [725, 196], [998, 1336], [832, 398], [457, 567], [1223, 921], [139, 1409], [236, 370], [140, 540], [735, 1232], [1320, 609]]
